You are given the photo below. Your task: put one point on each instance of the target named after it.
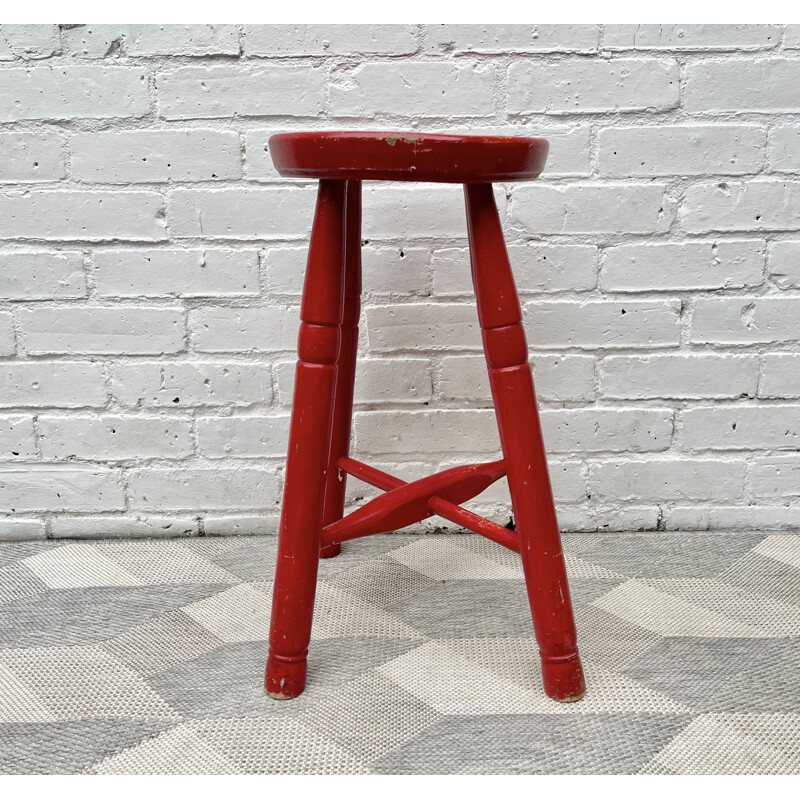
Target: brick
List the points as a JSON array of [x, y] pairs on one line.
[[603, 323], [243, 437], [754, 84], [113, 437], [745, 320], [776, 477], [742, 428], [286, 269], [241, 213], [784, 148], [28, 41], [16, 438], [320, 40], [196, 489], [688, 376], [41, 275], [579, 85], [59, 384], [58, 488], [706, 264], [235, 91], [403, 211], [132, 330], [189, 384], [440, 326], [155, 156], [591, 519], [716, 518], [593, 208], [241, 525], [421, 89], [791, 37], [386, 270], [514, 38], [412, 432], [73, 92], [395, 270], [82, 215], [404, 380], [691, 37], [632, 430], [538, 268], [569, 154], [14, 529], [781, 375], [258, 160], [100, 41], [239, 330], [567, 480], [124, 526], [667, 479], [152, 272], [757, 205], [558, 378], [7, 346], [681, 150], [784, 264], [27, 158], [378, 380]]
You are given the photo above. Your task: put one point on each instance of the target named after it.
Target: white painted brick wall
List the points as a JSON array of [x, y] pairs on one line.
[[73, 92], [157, 156], [41, 275], [585, 85], [29, 158], [200, 272], [321, 40], [151, 264]]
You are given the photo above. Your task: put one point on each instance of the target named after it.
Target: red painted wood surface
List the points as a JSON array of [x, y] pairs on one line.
[[369, 155], [410, 502], [514, 398], [443, 508], [318, 459], [309, 445], [346, 366]]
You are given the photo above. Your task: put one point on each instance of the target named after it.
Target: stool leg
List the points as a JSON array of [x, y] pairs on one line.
[[309, 447], [346, 365], [514, 398]]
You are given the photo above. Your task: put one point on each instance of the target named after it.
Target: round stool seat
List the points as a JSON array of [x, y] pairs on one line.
[[429, 157]]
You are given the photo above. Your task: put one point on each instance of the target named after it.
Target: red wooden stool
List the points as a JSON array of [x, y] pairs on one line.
[[312, 521]]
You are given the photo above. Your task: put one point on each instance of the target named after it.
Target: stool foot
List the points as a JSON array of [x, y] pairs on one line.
[[330, 551], [562, 677], [285, 679]]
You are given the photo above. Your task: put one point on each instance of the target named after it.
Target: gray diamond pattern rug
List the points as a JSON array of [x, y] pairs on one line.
[[139, 656]]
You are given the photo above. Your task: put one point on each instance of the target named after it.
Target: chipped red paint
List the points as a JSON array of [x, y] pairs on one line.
[[511, 382], [444, 508], [439, 158], [312, 522], [346, 365], [410, 503]]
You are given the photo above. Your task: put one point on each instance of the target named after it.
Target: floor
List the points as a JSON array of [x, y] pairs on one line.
[[147, 657]]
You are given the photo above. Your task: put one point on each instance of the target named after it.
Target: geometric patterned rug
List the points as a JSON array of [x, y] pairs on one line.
[[147, 656]]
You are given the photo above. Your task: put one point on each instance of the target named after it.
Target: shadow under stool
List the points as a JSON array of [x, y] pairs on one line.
[[313, 524]]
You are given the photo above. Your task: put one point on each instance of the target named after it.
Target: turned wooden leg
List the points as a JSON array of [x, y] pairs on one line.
[[309, 447], [346, 372], [511, 382]]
